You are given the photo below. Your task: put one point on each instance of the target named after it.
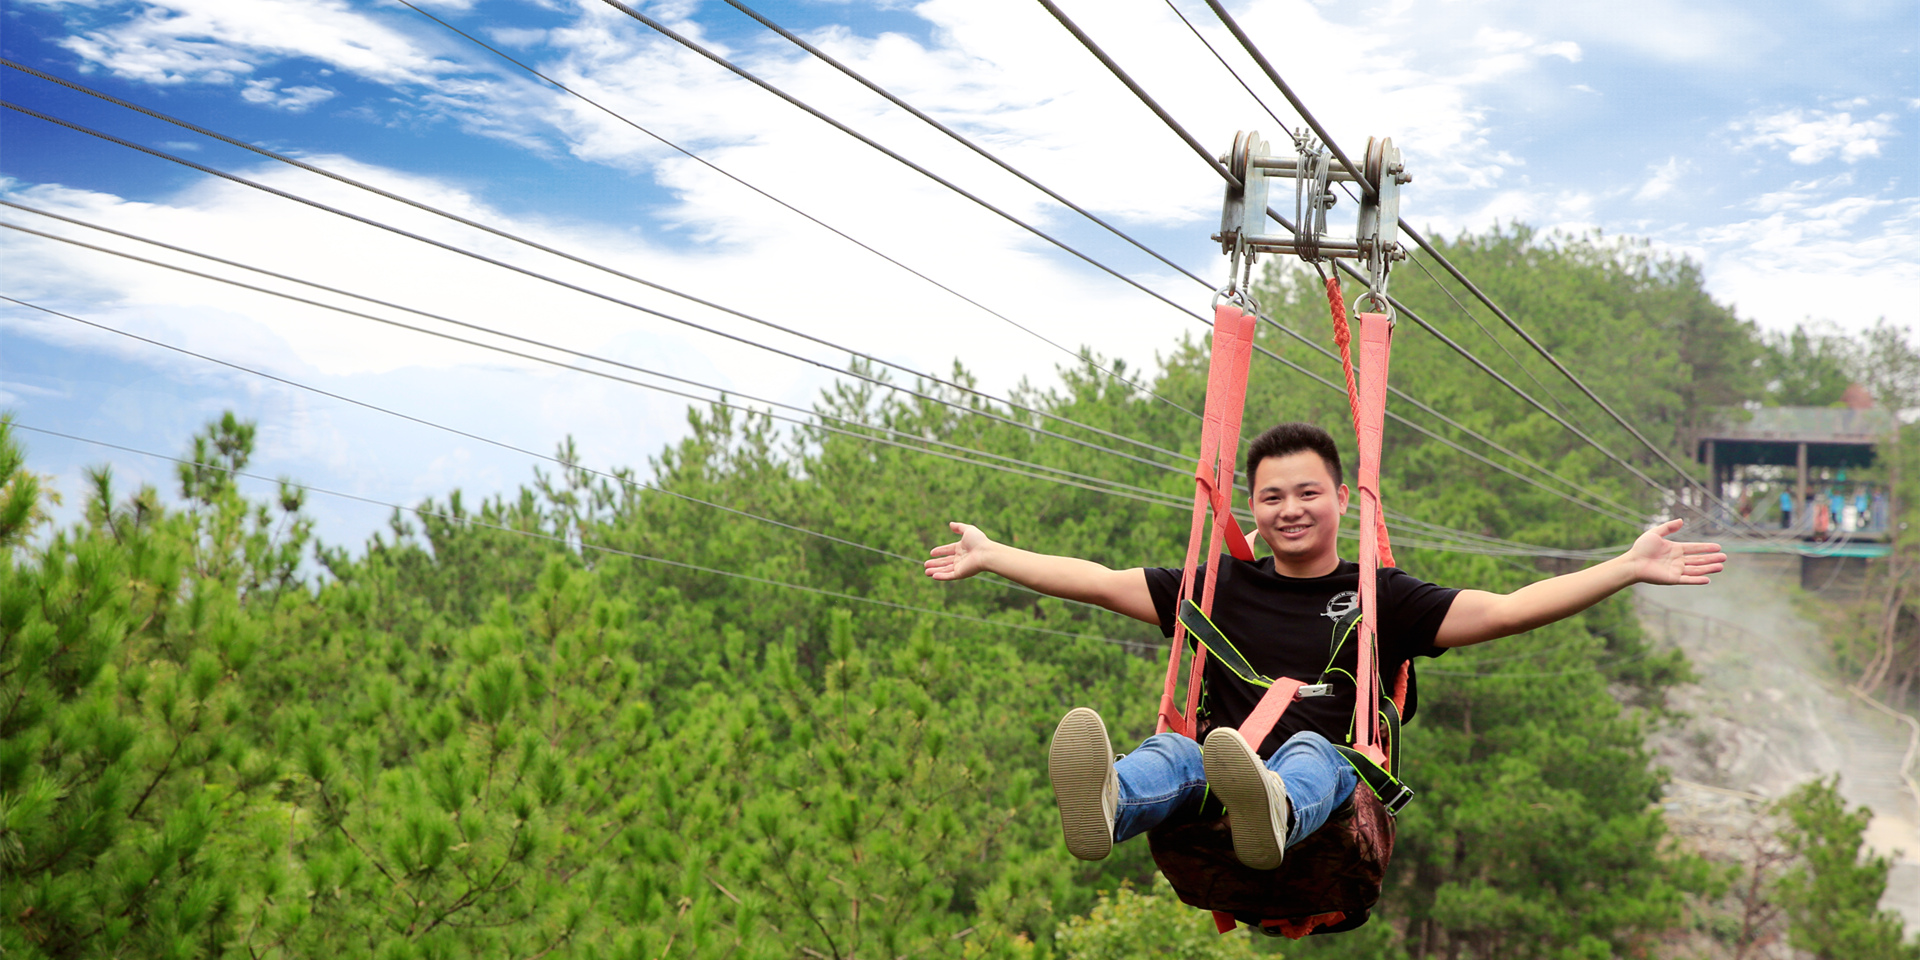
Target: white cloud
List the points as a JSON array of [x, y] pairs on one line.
[[1665, 178], [1815, 135], [214, 41], [291, 99], [517, 36], [1815, 252]]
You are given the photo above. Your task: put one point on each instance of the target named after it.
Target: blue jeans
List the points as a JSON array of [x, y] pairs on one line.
[[1164, 776]]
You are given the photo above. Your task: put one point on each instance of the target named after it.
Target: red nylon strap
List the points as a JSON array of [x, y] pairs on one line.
[[1213, 490], [1343, 338], [1375, 345], [1267, 712], [1400, 692]]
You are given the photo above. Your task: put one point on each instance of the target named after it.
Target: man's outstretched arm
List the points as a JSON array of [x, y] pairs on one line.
[[1069, 578], [1477, 615]]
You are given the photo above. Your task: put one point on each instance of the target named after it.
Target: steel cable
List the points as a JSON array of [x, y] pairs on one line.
[[1451, 539], [1273, 75], [836, 231], [534, 274], [1625, 513], [566, 464], [570, 286], [1180, 131], [495, 231], [596, 547], [1097, 484]]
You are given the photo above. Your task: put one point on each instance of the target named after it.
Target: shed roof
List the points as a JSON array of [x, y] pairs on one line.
[[1809, 425]]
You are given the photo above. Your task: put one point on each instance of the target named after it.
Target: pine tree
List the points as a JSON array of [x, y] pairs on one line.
[[1832, 897]]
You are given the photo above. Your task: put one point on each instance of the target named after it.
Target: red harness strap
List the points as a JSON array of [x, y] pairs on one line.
[[1344, 338], [1375, 344], [1213, 490]]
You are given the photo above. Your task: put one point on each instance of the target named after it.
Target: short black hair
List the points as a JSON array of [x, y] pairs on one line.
[[1288, 438]]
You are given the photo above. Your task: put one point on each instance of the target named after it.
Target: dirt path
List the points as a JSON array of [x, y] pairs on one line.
[[1766, 717]]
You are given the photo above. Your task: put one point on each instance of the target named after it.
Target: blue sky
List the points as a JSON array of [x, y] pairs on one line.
[[1773, 142]]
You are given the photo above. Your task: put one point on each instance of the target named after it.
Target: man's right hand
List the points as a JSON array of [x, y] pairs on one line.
[[1122, 591], [963, 558]]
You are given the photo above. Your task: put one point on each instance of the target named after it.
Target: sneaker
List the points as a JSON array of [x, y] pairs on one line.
[[1256, 800], [1085, 788]]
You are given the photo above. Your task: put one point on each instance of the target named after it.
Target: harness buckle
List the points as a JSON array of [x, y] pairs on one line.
[[1314, 690], [1398, 802]]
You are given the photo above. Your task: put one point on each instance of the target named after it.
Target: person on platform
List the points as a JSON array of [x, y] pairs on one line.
[[1786, 510]]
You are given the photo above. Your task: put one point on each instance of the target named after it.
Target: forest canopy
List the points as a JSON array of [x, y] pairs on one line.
[[503, 729]]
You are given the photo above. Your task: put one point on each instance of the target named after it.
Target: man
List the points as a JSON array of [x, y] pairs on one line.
[[1280, 613]]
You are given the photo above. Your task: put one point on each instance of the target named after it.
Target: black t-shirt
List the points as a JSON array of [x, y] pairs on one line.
[[1284, 626]]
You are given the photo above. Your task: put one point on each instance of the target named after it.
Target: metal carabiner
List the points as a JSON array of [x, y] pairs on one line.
[[1381, 305]]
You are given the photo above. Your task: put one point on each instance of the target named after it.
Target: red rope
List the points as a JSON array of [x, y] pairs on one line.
[[1344, 338]]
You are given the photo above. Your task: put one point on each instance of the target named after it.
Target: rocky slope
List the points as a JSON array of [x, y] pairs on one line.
[[1768, 715]]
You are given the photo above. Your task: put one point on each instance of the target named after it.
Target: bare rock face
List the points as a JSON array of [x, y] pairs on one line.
[[1767, 716]]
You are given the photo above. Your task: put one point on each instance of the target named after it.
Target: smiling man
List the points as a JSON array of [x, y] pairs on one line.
[[1281, 612]]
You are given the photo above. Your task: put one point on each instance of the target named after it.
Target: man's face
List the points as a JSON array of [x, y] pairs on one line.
[[1297, 507]]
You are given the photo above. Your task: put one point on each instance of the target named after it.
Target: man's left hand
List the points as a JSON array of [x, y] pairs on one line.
[[1655, 559]]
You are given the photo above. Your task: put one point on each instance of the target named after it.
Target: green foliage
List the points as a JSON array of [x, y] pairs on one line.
[[1812, 364], [1832, 896], [495, 732], [1129, 925], [1807, 367], [19, 490]]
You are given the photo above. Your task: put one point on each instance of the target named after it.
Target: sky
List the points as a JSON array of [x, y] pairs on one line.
[[1774, 143]]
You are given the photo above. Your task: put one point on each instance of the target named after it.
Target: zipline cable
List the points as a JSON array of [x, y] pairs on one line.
[[611, 477], [748, 341], [1104, 484], [1459, 541], [1086, 482], [836, 231], [744, 74], [1180, 131], [776, 91], [600, 548], [495, 231], [465, 221], [963, 140], [1273, 75], [1261, 101], [320, 171]]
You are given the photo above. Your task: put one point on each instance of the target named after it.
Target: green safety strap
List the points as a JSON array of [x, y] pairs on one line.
[[1393, 794], [1345, 627], [1201, 628]]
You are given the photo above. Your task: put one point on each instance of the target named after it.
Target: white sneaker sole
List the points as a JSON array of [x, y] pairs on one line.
[[1078, 763], [1237, 777]]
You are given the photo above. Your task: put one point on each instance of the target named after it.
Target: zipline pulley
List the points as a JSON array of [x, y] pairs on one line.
[[1243, 217]]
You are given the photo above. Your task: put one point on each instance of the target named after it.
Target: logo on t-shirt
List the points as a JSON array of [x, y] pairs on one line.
[[1342, 604]]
